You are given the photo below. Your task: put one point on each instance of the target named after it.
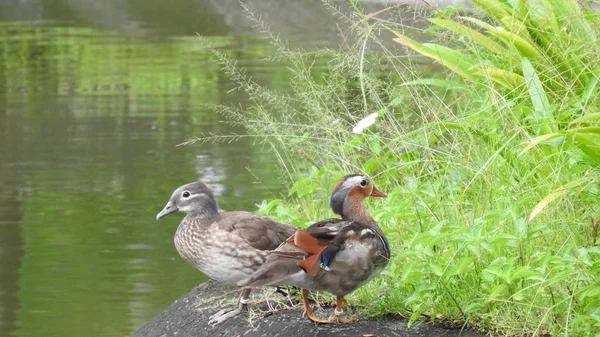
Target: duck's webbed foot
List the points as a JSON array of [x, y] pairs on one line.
[[225, 314], [336, 318], [340, 319]]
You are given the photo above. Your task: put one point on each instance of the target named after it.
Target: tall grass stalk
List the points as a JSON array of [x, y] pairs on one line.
[[490, 158]]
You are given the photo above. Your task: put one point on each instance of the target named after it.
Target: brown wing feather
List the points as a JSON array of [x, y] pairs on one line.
[[259, 231], [326, 230], [307, 242], [309, 265]]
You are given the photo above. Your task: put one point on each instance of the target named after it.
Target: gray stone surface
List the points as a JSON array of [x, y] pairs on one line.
[[272, 314]]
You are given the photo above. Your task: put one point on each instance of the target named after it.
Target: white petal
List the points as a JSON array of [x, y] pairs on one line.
[[365, 123]]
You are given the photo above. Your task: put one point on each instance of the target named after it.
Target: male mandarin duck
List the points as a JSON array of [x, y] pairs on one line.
[[228, 246], [333, 255]]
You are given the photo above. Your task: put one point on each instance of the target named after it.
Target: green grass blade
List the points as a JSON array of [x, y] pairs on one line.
[[569, 11], [438, 83], [449, 58], [496, 9], [587, 118], [538, 140], [516, 27], [591, 88], [482, 24], [555, 195], [508, 79], [522, 46], [589, 146], [541, 105], [585, 129], [548, 17], [471, 34]]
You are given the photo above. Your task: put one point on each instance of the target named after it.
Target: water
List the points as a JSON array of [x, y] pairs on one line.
[[94, 98]]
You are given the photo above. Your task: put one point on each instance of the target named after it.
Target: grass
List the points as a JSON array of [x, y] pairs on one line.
[[491, 165]]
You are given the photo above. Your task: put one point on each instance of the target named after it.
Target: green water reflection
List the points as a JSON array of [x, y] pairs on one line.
[[89, 121]]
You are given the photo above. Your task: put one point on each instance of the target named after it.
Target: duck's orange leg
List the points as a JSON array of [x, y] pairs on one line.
[[334, 319], [338, 306], [308, 310], [339, 310]]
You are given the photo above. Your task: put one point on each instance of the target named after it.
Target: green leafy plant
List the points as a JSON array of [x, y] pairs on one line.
[[539, 56], [469, 157]]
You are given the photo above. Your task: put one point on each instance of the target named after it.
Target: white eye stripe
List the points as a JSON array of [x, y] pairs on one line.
[[190, 196], [366, 231], [354, 181]]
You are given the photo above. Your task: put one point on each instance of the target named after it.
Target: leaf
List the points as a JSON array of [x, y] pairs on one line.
[[523, 272], [541, 105], [499, 291], [373, 165], [538, 140], [544, 202], [533, 230], [436, 269], [449, 58], [303, 187], [507, 79], [438, 83], [548, 17], [588, 146], [522, 46], [407, 272], [471, 34], [555, 195], [587, 118], [590, 89], [569, 11], [463, 266], [265, 207], [590, 291], [536, 90], [585, 129], [474, 250], [517, 27], [494, 9], [478, 22], [374, 144], [502, 239], [575, 132], [501, 274]]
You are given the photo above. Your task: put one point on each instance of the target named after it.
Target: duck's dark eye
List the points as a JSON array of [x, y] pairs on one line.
[[185, 194], [363, 182]]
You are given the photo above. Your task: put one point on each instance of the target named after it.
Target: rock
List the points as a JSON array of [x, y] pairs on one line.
[[271, 314]]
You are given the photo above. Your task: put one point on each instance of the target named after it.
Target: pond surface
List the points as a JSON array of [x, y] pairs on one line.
[[95, 96]]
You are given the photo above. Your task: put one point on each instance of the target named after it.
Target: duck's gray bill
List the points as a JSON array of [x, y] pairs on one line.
[[169, 208]]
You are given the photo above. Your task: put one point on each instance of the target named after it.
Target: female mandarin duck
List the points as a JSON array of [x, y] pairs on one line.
[[333, 255], [227, 247]]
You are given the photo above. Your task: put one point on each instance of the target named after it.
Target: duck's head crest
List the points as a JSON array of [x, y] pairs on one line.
[[352, 187]]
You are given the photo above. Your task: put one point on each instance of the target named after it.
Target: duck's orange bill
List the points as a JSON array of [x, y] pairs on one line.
[[378, 193]]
